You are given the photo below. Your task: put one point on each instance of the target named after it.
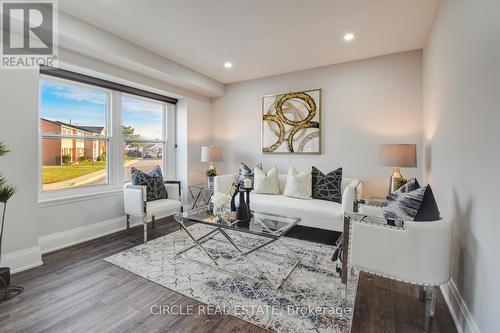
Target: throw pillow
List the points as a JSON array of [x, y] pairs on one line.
[[417, 205], [246, 173], [327, 187], [298, 185], [266, 183], [155, 188], [411, 185]]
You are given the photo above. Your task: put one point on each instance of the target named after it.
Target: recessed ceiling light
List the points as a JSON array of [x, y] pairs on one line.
[[228, 65], [349, 36]]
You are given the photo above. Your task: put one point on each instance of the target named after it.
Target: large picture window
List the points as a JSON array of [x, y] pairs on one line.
[[74, 134], [92, 132], [144, 125]]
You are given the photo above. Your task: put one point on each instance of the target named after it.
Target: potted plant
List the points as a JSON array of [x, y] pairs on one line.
[[211, 173], [6, 192]]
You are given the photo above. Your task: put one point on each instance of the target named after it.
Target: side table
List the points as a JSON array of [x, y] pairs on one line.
[[201, 194]]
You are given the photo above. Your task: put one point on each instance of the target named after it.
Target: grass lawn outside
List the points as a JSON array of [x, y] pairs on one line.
[[55, 174]]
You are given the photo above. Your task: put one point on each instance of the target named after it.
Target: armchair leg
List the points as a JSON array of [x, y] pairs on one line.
[[153, 222], [145, 224], [128, 223], [430, 307]]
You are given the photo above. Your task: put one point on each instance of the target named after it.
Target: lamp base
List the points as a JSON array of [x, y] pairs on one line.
[[396, 174]]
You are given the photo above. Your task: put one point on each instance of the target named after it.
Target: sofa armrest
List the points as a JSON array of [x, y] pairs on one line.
[[222, 184], [351, 193], [134, 197]]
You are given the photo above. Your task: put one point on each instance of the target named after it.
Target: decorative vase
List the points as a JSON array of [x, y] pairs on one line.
[[242, 210], [210, 182], [248, 202], [233, 197]]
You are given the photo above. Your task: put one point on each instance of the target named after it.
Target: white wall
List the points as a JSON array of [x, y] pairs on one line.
[[193, 131], [365, 103], [18, 130], [461, 134]]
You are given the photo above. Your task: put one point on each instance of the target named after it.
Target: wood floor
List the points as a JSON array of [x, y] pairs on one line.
[[76, 291]]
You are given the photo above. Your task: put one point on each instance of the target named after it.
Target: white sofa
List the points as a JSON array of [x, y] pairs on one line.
[[314, 213]]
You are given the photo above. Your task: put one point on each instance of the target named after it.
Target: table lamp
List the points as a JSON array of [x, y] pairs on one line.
[[398, 156], [211, 154]]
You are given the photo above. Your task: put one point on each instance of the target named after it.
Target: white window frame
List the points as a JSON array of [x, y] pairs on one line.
[[115, 148], [70, 192], [168, 165]]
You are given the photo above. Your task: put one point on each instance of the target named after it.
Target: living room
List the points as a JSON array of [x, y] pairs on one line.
[[249, 166]]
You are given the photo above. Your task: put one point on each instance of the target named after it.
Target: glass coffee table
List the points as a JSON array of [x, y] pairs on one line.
[[245, 237]]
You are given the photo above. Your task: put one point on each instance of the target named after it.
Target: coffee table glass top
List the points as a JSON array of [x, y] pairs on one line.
[[263, 224]]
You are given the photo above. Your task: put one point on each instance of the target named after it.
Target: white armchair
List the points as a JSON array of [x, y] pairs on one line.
[[135, 204], [416, 252]]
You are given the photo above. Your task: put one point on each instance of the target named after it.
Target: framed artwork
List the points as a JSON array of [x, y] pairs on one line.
[[291, 123]]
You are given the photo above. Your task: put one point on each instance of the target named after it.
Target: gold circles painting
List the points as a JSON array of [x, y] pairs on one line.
[[291, 123]]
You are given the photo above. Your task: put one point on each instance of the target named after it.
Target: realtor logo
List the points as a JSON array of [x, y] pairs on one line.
[[28, 34]]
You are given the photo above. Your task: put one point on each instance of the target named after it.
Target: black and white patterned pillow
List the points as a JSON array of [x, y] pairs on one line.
[[411, 185], [327, 187], [153, 180], [246, 173], [416, 205]]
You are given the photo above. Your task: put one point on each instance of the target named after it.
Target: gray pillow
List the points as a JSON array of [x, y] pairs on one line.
[[327, 187], [246, 173], [153, 180], [416, 205], [411, 185]]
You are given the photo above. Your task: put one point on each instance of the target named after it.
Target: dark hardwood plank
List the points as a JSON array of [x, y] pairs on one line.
[[76, 291]]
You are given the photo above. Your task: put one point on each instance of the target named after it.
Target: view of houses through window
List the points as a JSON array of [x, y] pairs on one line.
[[143, 129], [75, 134]]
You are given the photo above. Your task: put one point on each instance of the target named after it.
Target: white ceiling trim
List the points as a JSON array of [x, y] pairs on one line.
[[83, 38]]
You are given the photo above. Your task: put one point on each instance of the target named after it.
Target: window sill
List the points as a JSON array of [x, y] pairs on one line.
[[77, 198]]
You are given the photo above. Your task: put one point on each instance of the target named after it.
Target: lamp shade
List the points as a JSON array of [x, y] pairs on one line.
[[211, 154], [398, 155]]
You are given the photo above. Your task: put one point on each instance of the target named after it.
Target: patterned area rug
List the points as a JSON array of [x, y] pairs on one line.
[[310, 300]]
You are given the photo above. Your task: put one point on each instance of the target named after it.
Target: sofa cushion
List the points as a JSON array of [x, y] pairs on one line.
[[298, 185], [327, 187], [266, 183], [314, 213], [246, 173]]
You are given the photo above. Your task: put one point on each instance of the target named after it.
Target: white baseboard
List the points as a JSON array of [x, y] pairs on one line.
[[60, 240], [464, 321], [22, 260]]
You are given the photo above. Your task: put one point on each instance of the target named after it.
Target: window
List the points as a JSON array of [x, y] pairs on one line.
[[74, 134], [92, 132], [144, 124]]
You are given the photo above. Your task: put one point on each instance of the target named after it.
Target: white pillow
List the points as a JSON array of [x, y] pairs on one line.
[[298, 185], [266, 183]]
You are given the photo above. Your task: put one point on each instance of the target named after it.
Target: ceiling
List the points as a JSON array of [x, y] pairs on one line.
[[261, 37]]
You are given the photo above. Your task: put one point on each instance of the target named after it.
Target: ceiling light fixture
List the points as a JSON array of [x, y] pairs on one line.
[[228, 65], [349, 36]]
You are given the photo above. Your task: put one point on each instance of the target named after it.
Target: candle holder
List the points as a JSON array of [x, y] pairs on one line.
[[248, 202]]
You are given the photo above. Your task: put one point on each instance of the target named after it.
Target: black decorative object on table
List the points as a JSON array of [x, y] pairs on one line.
[[248, 202], [233, 197], [242, 213]]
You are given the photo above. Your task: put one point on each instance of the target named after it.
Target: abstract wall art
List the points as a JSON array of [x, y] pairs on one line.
[[291, 123]]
